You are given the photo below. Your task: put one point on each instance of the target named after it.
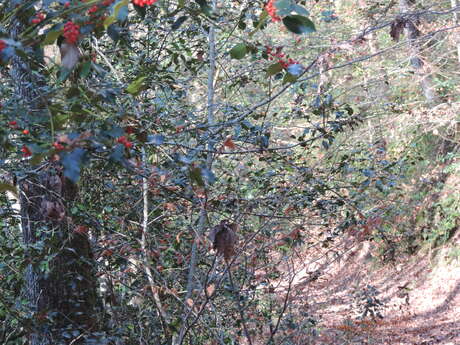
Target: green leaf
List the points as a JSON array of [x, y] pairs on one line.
[[300, 10], [50, 37], [196, 176], [38, 158], [59, 121], [116, 10], [114, 32], [283, 7], [299, 24], [85, 69], [122, 14], [117, 154], [8, 187], [136, 85], [274, 69], [205, 8], [72, 162], [119, 6], [177, 24], [109, 21], [289, 78], [262, 18], [239, 51]]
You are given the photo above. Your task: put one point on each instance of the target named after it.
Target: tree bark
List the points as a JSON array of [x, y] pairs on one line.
[[422, 72], [456, 32], [60, 284]]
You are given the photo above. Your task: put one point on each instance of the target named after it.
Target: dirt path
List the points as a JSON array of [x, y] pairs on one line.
[[420, 296]]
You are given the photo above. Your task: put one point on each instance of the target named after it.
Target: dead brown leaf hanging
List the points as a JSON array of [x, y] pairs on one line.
[[70, 54], [223, 238], [397, 28], [53, 210]]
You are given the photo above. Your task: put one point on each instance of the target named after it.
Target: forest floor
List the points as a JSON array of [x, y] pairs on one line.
[[420, 297], [419, 294]]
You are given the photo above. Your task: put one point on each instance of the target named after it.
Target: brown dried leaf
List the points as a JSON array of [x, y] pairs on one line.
[[223, 237], [70, 54], [229, 143], [397, 28], [210, 290], [52, 210]]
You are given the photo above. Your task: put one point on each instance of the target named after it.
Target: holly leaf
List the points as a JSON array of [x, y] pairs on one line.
[[239, 51], [135, 87], [72, 162], [289, 78], [299, 24], [274, 69], [177, 24], [120, 6], [283, 7], [51, 36]]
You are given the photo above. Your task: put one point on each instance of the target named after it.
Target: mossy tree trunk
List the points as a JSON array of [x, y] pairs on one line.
[[60, 284]]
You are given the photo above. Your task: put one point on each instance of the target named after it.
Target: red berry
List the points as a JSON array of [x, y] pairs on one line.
[[142, 3], [26, 151], [271, 9], [39, 17], [2, 45], [25, 131], [129, 130], [71, 32], [67, 4], [93, 9], [12, 123], [58, 146]]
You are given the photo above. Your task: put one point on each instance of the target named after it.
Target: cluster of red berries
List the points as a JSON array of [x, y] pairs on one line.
[[93, 9], [277, 54], [142, 3], [130, 130], [71, 32], [14, 125], [107, 2], [58, 146], [123, 140], [26, 151], [2, 45], [271, 9], [39, 17]]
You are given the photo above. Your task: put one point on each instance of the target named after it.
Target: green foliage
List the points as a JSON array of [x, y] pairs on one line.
[[282, 153], [299, 24]]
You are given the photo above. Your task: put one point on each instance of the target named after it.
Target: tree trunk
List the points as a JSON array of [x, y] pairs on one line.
[[456, 31], [413, 34], [60, 284]]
